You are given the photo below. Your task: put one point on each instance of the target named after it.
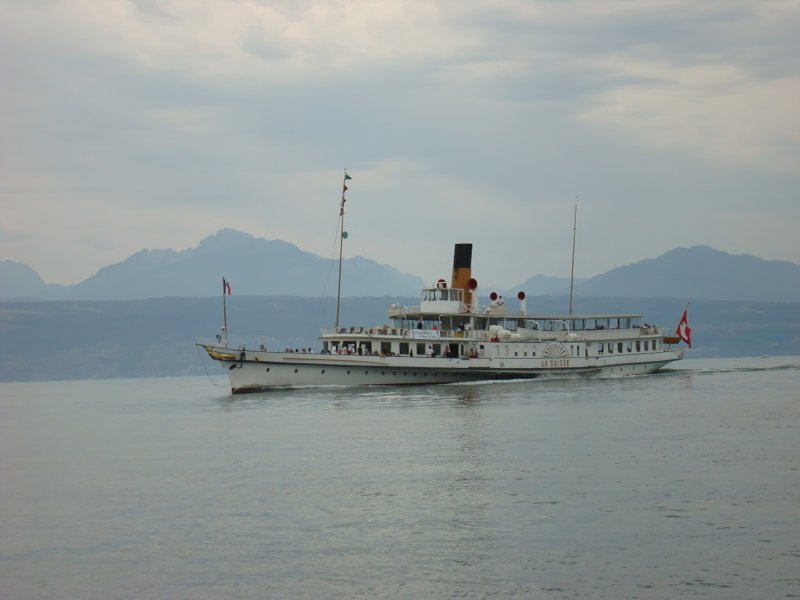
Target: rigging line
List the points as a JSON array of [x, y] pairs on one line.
[[214, 383], [332, 253], [324, 299]]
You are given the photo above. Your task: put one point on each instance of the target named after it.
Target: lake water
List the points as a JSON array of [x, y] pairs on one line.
[[680, 484]]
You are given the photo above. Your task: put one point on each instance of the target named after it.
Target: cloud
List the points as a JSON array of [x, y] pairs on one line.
[[716, 112], [469, 119]]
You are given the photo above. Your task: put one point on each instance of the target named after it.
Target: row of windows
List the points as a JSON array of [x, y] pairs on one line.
[[518, 350], [600, 348], [446, 294], [403, 373], [628, 346]]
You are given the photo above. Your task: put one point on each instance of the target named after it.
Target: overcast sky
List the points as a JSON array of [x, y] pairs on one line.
[[130, 124]]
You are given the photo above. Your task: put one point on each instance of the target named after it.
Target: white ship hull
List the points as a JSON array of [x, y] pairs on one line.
[[253, 371]]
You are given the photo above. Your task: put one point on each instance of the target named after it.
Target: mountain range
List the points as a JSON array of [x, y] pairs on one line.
[[262, 267], [254, 266]]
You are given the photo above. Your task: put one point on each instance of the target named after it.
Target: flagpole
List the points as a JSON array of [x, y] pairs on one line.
[[224, 312], [572, 272], [341, 247], [339, 286]]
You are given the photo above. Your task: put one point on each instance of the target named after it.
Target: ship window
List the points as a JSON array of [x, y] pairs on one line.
[[403, 348], [638, 346], [646, 345], [348, 371], [295, 370], [629, 346], [267, 369], [610, 348], [323, 371], [600, 348], [619, 347]]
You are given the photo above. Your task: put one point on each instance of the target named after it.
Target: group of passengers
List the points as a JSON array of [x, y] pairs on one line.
[[351, 349]]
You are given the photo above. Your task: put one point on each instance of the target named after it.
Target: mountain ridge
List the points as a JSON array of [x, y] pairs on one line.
[[257, 266], [692, 273]]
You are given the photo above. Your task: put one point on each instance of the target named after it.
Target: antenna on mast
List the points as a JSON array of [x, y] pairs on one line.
[[572, 271]]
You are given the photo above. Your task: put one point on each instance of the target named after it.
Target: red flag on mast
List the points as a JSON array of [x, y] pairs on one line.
[[226, 287], [683, 330]]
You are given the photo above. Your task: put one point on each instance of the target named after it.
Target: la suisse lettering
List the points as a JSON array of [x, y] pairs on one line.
[[555, 362]]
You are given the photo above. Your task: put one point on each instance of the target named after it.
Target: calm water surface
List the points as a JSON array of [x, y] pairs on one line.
[[682, 484]]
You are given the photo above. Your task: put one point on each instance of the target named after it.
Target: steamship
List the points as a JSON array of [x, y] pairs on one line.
[[449, 337]]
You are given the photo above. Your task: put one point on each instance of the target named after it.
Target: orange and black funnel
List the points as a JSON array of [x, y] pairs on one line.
[[462, 271]]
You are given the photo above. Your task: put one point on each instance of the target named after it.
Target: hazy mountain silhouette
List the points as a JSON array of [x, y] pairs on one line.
[[700, 273], [696, 273], [255, 266], [18, 280]]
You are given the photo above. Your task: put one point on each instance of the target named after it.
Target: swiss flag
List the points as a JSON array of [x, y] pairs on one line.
[[684, 331]]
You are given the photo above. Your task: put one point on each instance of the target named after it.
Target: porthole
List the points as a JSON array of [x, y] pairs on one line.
[[323, 371], [348, 371], [267, 369], [295, 370]]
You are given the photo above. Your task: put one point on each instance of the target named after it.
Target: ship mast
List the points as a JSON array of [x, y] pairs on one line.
[[226, 291], [342, 237], [572, 271]]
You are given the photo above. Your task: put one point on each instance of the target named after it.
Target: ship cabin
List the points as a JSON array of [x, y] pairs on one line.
[[443, 325], [449, 323]]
